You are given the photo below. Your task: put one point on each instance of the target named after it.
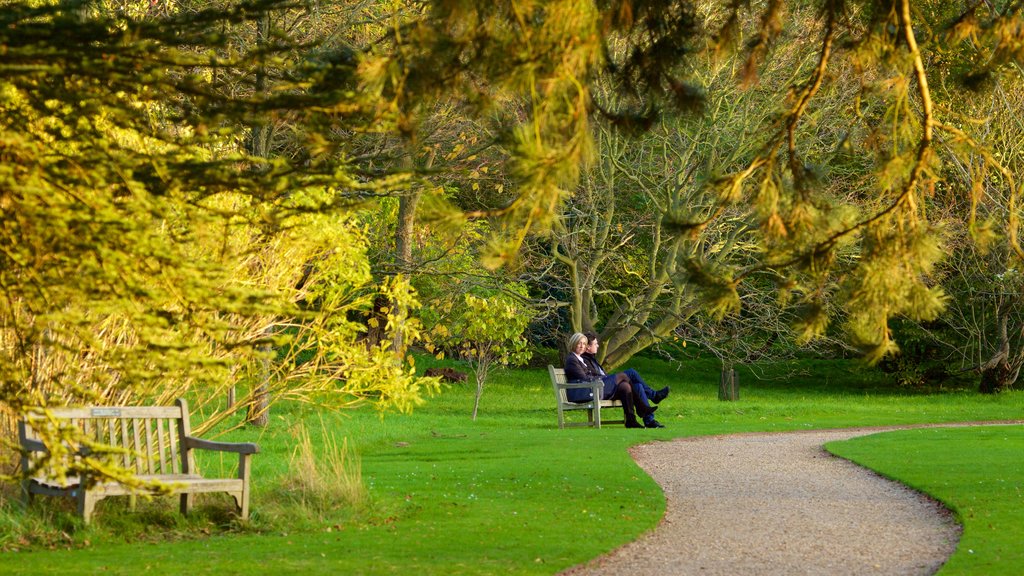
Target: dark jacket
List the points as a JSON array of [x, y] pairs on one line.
[[576, 371], [595, 366]]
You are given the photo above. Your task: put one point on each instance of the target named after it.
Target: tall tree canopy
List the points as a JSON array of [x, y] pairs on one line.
[[901, 67]]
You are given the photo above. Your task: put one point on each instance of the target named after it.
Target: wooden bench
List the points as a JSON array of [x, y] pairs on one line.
[[592, 407], [154, 442]]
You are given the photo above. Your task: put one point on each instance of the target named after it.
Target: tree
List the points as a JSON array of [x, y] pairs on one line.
[[634, 268], [979, 332], [123, 162], [886, 46], [486, 330], [129, 206]]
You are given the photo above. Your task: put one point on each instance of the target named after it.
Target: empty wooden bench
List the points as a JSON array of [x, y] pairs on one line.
[[593, 407], [154, 442]]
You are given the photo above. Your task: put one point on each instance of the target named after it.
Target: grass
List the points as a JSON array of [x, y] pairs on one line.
[[975, 472], [327, 478], [509, 493]]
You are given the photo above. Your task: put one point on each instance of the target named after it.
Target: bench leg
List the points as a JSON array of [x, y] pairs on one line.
[[241, 503], [86, 505], [187, 502], [242, 500], [26, 493]]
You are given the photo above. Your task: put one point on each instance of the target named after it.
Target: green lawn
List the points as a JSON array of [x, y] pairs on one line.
[[509, 493]]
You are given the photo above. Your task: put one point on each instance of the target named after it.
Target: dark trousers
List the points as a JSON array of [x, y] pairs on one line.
[[635, 378], [633, 396]]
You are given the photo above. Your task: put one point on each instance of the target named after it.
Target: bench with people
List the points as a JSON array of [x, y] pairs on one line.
[[638, 399]]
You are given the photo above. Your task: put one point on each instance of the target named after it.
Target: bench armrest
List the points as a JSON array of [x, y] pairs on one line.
[[596, 387], [32, 445], [593, 384], [236, 447]]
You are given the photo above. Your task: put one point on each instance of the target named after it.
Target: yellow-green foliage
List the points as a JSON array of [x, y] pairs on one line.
[[144, 256], [124, 300], [487, 329], [893, 280]]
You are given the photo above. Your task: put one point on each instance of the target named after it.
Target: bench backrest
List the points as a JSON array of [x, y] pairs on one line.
[[149, 436], [558, 377]]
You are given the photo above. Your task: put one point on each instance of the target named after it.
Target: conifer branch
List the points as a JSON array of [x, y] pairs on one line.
[[811, 90], [923, 149]]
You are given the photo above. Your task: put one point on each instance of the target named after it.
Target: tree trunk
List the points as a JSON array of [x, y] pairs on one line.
[[403, 241], [997, 378], [376, 322], [1000, 372], [729, 384], [480, 372], [259, 145], [259, 404]]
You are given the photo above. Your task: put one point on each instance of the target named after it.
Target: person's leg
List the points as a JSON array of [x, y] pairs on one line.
[[643, 406], [624, 393], [652, 395], [635, 379], [643, 403]]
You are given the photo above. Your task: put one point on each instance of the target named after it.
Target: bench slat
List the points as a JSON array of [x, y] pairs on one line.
[[129, 447], [110, 427], [148, 460], [115, 412], [139, 449], [161, 440], [175, 441], [181, 482]]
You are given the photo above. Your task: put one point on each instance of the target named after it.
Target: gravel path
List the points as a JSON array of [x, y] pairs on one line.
[[764, 504]]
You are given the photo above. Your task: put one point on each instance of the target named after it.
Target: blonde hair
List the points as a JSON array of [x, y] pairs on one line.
[[574, 340]]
